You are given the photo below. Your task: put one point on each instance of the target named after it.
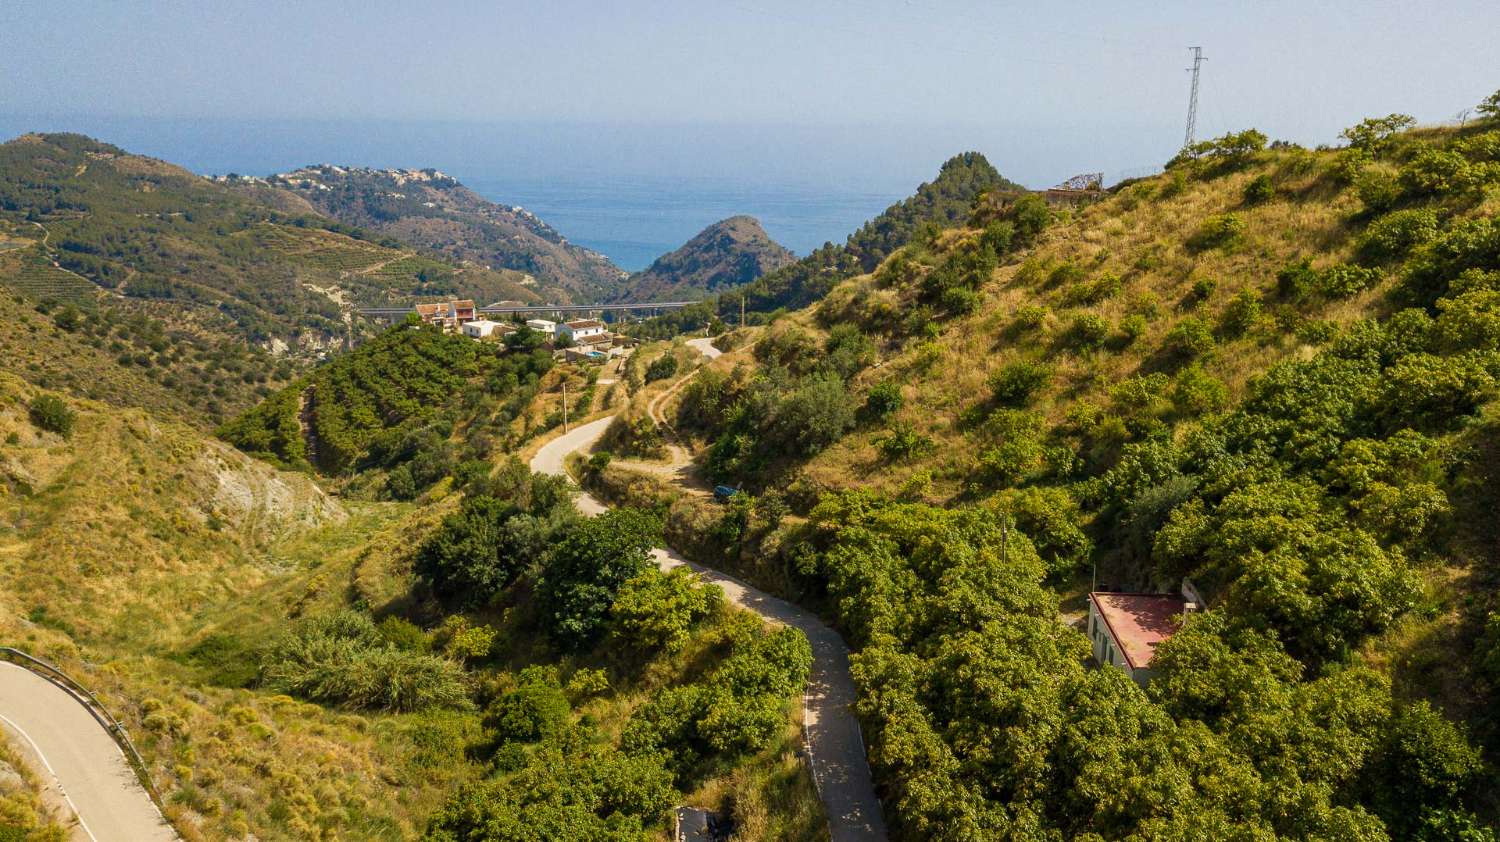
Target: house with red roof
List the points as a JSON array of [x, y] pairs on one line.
[[1126, 628]]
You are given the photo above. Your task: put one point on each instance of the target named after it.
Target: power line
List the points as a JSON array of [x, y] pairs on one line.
[[1192, 120]]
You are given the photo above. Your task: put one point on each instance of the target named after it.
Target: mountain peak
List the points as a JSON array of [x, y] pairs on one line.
[[726, 254]]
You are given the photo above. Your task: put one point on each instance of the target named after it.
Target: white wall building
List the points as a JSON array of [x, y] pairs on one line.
[[543, 325], [480, 328], [580, 330]]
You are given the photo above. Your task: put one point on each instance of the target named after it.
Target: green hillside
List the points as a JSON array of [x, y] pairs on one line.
[[219, 273], [1271, 370], [942, 202], [435, 212]]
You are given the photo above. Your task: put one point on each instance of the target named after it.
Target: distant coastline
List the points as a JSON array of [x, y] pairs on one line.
[[634, 221]]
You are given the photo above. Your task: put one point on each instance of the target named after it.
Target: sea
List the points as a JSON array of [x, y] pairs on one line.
[[633, 221], [632, 192]]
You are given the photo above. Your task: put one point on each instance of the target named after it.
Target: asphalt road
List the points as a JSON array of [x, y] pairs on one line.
[[52, 726], [835, 747]]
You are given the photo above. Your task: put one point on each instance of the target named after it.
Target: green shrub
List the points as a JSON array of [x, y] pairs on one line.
[[342, 659], [51, 414], [403, 634], [535, 709], [1018, 382], [1378, 189], [1436, 172], [1191, 337], [847, 351], [1345, 280], [1015, 448], [1098, 290], [1423, 764], [903, 443], [1374, 134], [662, 367], [812, 417], [1202, 290], [1051, 518], [1031, 317], [1133, 327], [1223, 154], [1317, 331], [1088, 332], [1217, 232], [481, 549], [657, 611], [1065, 273], [959, 301], [1195, 392], [1030, 215], [1296, 281], [465, 642], [884, 400], [1260, 190], [1393, 236], [1240, 314]]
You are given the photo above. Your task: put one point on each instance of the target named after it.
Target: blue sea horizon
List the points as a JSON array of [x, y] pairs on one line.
[[635, 221]]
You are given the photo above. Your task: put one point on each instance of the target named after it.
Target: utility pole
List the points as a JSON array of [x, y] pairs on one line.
[[1192, 121], [742, 309], [565, 407]]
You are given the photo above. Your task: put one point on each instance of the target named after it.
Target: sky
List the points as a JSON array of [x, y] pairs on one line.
[[866, 92]]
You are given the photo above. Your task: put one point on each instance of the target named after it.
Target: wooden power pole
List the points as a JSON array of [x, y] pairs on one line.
[[565, 407]]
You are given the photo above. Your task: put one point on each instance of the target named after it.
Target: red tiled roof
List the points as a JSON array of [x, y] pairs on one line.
[[1138, 621], [582, 323]]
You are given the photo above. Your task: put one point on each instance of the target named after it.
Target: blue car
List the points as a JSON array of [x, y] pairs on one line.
[[722, 493]]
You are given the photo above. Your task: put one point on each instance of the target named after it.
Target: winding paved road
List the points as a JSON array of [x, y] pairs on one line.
[[835, 747], [89, 769]]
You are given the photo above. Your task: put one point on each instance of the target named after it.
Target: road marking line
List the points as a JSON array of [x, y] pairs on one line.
[[60, 788]]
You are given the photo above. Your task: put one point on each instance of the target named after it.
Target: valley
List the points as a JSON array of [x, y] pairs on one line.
[[822, 554]]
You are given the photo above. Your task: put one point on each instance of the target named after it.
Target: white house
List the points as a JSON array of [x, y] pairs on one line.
[[480, 328], [543, 325], [580, 330]]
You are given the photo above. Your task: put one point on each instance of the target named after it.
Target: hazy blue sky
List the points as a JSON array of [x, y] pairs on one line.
[[786, 89]]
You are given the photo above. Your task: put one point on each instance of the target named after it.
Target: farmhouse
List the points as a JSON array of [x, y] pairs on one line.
[[482, 328], [448, 315], [1126, 628], [578, 331]]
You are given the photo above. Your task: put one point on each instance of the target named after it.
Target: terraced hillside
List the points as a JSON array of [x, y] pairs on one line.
[[395, 403]]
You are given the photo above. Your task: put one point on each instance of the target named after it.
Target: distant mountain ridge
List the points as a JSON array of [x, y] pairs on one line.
[[727, 254], [434, 211]]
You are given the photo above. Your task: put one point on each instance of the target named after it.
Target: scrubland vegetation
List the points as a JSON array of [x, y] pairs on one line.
[[1271, 370]]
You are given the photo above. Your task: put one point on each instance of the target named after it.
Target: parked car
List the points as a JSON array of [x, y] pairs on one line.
[[722, 493]]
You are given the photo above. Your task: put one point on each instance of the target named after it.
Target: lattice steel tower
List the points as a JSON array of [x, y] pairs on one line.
[[1192, 124]]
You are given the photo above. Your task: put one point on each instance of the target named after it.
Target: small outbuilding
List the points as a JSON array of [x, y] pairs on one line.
[[544, 325], [1126, 628]]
